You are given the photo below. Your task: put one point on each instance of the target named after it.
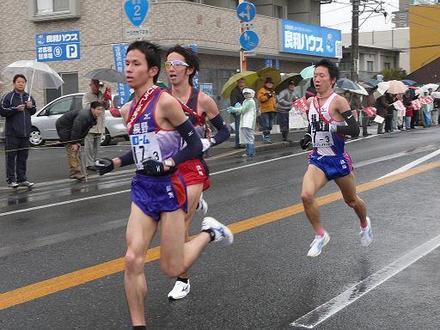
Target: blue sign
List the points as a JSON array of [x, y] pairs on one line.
[[246, 11], [57, 46], [300, 38], [119, 52], [268, 63], [249, 40], [136, 11]]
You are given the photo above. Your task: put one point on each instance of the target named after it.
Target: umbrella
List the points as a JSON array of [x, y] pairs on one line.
[[382, 87], [347, 84], [40, 74], [396, 87], [428, 86], [267, 72], [366, 85], [295, 77], [106, 74], [360, 90], [409, 82], [249, 76], [308, 72], [436, 95]]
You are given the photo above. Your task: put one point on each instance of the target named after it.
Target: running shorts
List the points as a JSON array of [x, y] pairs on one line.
[[195, 171], [154, 195], [333, 166]]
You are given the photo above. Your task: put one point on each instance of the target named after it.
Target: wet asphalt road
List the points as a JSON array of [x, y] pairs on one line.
[[264, 280]]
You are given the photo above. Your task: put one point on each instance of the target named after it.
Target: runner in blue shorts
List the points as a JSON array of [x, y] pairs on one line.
[[330, 119], [156, 125]]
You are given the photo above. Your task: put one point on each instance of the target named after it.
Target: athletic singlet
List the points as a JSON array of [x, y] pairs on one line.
[[325, 143], [148, 140]]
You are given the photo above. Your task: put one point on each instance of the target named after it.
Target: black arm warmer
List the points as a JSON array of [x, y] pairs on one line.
[[193, 144], [352, 127], [127, 159], [222, 130]]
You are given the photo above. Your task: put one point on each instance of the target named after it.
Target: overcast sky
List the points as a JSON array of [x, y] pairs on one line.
[[338, 16]]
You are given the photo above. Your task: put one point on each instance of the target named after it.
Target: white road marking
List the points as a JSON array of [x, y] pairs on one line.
[[412, 164], [333, 306]]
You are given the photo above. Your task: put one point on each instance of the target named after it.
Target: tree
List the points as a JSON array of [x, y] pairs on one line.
[[394, 74]]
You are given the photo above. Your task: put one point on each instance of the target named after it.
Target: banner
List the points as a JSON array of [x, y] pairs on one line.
[[416, 104], [398, 105], [301, 104], [426, 100], [370, 111]]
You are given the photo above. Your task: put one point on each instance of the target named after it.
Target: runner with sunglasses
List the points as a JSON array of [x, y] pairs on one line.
[[181, 65], [156, 125], [330, 119]]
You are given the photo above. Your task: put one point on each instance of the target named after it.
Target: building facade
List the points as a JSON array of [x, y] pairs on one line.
[[211, 25]]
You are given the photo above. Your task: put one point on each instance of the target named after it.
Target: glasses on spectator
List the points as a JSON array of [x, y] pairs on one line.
[[175, 63]]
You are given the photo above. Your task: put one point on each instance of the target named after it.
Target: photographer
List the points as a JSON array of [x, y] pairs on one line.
[[266, 96]]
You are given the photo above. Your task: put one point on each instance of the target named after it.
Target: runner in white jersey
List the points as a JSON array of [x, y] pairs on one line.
[[330, 119]]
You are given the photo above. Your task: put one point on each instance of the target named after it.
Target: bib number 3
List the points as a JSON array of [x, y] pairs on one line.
[[145, 146]]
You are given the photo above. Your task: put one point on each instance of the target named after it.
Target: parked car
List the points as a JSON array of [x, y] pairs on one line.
[[43, 121]]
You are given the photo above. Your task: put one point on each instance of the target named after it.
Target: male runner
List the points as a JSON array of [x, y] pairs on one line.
[[181, 65], [156, 124], [330, 119]]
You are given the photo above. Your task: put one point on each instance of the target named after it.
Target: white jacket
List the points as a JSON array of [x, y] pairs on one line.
[[248, 113]]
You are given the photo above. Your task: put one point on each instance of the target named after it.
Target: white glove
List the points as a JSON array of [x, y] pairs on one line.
[[332, 128], [206, 144]]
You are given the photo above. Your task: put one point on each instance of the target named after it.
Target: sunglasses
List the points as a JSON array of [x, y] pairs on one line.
[[175, 63]]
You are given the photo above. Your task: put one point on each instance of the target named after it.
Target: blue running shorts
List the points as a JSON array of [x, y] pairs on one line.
[[333, 166], [154, 195]]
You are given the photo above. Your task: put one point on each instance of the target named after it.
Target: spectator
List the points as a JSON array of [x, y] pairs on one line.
[[248, 115], [367, 101], [236, 99], [311, 90], [381, 107], [434, 111], [92, 140], [437, 106], [285, 99], [426, 111], [266, 96], [18, 107], [390, 112], [72, 127], [408, 109]]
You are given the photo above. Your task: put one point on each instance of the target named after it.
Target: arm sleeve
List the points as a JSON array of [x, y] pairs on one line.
[[127, 159], [352, 127], [193, 147], [222, 130], [6, 108], [282, 100], [261, 96]]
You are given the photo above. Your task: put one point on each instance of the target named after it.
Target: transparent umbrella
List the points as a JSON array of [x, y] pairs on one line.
[[106, 74], [39, 74], [307, 72]]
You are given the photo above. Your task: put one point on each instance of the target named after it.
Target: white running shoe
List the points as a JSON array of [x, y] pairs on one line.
[[318, 243], [366, 234], [180, 290], [222, 233], [202, 206]]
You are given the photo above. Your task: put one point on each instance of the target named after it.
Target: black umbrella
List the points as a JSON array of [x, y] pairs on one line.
[[284, 83]]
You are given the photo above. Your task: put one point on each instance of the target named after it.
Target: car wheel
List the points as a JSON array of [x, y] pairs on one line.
[[106, 138], [35, 137]]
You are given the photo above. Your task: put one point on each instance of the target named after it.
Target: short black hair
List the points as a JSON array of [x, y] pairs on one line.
[[151, 52], [333, 70], [19, 75], [190, 57], [96, 104]]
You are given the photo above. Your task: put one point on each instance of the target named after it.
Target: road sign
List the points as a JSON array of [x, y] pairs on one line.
[[57, 46], [136, 33], [246, 11], [136, 11], [249, 40]]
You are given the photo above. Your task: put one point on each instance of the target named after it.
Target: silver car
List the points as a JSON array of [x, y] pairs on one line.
[[43, 121]]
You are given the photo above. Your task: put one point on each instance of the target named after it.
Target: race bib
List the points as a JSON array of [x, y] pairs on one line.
[[322, 139], [145, 146]]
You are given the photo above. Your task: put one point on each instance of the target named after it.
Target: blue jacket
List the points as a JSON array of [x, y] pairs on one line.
[[18, 123]]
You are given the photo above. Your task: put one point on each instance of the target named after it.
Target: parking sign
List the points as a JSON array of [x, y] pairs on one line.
[[58, 46]]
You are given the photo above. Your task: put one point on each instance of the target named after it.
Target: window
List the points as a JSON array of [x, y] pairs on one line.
[[370, 66], [60, 107], [387, 65], [70, 86], [44, 10]]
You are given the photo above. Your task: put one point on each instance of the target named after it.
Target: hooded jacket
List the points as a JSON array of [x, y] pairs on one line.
[[74, 125], [18, 123]]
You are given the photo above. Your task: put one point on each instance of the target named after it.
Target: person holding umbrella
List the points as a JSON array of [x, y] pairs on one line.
[[237, 97], [267, 97], [18, 107]]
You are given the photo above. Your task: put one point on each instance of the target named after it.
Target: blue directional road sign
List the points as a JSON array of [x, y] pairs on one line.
[[119, 51], [57, 46], [136, 11], [249, 40], [246, 11]]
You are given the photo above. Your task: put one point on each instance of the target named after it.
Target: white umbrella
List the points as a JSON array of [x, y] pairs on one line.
[[436, 95], [428, 86], [360, 90], [382, 87], [39, 73]]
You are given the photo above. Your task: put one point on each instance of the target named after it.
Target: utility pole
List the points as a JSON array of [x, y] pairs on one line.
[[243, 60], [355, 41]]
